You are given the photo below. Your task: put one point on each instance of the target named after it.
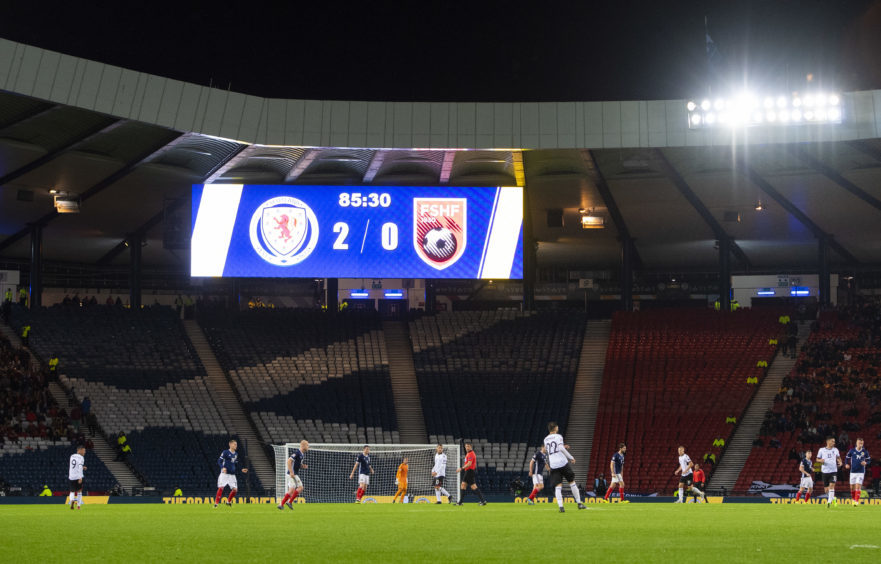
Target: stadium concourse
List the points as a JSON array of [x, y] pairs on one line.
[[600, 208]]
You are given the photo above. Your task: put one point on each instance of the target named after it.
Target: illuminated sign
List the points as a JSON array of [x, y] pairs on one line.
[[357, 231]]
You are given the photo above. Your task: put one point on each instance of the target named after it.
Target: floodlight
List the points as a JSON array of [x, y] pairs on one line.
[[769, 102], [821, 100], [696, 119], [821, 115], [783, 116], [796, 115], [809, 115], [710, 118], [691, 106], [705, 105], [796, 102], [719, 104], [757, 117], [809, 101], [834, 100], [771, 116], [834, 114], [781, 102]]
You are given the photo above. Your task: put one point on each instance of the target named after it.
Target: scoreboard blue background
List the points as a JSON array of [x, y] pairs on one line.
[[350, 231]]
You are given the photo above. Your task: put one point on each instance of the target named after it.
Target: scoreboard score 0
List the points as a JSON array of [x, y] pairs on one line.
[[356, 231]]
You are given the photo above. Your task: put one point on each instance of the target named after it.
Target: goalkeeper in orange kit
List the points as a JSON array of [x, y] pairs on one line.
[[401, 480]]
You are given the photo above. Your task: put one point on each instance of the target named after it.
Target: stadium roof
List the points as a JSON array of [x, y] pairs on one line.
[[129, 143]]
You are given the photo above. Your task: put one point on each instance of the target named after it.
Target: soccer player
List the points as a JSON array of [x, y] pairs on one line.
[[227, 477], [697, 484], [806, 469], [617, 468], [685, 474], [292, 480], [362, 464], [439, 472], [857, 460], [469, 469], [831, 459], [75, 475], [536, 467], [401, 479], [559, 460]]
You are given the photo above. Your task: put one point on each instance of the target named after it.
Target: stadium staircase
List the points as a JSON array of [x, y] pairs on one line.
[[741, 443], [229, 405], [405, 388], [14, 338], [105, 452], [586, 394]]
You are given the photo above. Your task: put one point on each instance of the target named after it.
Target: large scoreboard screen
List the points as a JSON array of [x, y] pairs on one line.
[[357, 231]]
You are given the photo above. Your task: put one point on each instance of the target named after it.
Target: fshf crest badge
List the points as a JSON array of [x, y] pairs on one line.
[[440, 230]]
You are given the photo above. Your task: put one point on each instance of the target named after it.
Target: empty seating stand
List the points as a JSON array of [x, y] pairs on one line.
[[139, 371], [31, 463], [496, 378], [672, 377], [308, 374]]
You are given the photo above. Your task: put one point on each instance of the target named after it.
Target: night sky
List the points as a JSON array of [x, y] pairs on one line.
[[472, 50]]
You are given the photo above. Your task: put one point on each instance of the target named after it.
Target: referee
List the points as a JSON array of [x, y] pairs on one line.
[[469, 469]]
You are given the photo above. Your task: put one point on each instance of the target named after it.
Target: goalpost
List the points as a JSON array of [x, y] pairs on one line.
[[326, 480]]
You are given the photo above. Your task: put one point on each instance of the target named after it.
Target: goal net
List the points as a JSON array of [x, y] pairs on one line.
[[326, 480]]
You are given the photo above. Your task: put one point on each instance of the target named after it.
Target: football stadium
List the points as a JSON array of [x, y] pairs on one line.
[[239, 326]]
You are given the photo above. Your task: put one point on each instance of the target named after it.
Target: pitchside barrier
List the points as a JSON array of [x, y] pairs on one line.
[[420, 499]]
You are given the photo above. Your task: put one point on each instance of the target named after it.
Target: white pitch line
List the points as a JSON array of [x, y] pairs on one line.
[[864, 546]]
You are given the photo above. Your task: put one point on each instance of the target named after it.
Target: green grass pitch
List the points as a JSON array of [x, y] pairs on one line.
[[499, 532]]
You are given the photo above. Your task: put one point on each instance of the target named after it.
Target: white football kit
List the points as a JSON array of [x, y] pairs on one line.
[[558, 456], [75, 471], [830, 457], [684, 461], [440, 465]]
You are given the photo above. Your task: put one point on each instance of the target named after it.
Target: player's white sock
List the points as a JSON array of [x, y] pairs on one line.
[[437, 494], [831, 496], [79, 498], [697, 490], [71, 498], [445, 492], [681, 495], [575, 493], [558, 493]]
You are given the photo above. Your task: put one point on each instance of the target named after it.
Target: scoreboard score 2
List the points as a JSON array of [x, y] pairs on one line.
[[357, 232]]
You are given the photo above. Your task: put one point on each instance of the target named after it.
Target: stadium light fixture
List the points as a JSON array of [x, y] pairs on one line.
[[591, 221], [759, 206], [359, 294], [747, 109]]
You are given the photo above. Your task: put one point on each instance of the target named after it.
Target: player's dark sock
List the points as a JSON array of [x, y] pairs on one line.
[[232, 494], [285, 498], [797, 495], [480, 495], [807, 496], [608, 492], [218, 496], [295, 495], [621, 493]]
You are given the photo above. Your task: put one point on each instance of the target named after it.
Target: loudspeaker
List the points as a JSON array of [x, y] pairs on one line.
[[555, 218]]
